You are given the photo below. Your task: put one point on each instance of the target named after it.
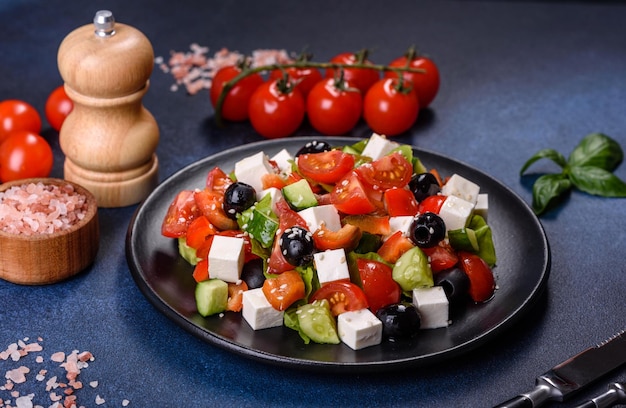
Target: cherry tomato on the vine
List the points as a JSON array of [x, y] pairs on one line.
[[58, 106], [25, 154], [235, 105], [426, 84], [18, 115], [305, 77], [276, 108], [333, 107], [390, 107], [362, 78]]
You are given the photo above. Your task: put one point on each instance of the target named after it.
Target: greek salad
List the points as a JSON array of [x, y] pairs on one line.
[[354, 244]]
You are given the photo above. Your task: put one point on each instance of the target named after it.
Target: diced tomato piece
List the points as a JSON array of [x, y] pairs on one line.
[[287, 217], [482, 281], [343, 296], [392, 170], [399, 202], [217, 180], [431, 204], [325, 167], [350, 197], [374, 224], [210, 204], [442, 256], [199, 231], [392, 249], [378, 284], [347, 237], [201, 271], [283, 290], [276, 263], [235, 296], [181, 212]]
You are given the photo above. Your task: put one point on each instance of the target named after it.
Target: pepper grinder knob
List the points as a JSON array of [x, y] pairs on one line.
[[109, 139]]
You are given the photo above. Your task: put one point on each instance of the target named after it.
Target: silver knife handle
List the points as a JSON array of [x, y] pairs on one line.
[[518, 402], [616, 394], [535, 398]]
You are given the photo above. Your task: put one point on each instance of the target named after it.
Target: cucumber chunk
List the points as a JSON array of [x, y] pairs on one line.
[[299, 195], [211, 297], [316, 321], [412, 270]]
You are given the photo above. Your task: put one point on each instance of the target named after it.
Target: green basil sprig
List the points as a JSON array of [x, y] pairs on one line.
[[589, 168]]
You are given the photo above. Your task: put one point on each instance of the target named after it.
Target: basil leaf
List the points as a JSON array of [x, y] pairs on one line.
[[597, 181], [551, 154], [597, 150], [548, 189]]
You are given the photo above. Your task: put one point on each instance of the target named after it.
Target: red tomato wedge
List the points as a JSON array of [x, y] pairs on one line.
[[392, 249], [217, 180], [181, 212], [199, 231], [325, 167], [442, 256], [482, 282], [343, 296], [400, 202], [431, 204], [378, 285], [350, 197], [389, 171], [210, 204], [201, 271], [284, 289]]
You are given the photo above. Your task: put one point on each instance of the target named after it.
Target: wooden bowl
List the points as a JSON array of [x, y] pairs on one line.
[[45, 258]]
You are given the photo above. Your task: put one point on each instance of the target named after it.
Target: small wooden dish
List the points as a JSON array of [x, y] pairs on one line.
[[46, 258]]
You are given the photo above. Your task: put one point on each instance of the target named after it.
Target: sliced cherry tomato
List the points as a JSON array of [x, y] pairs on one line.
[[181, 212], [343, 296], [431, 204], [198, 231], [392, 170], [304, 77], [201, 270], [349, 196], [347, 237], [217, 180], [389, 107], [400, 202], [283, 290], [276, 109], [18, 115], [235, 296], [378, 285], [361, 78], [333, 108], [392, 249], [58, 106], [325, 167], [25, 154], [482, 281], [441, 256], [210, 204], [426, 84], [374, 224], [235, 105]]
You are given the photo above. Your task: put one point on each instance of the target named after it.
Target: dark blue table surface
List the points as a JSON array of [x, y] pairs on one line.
[[517, 77]]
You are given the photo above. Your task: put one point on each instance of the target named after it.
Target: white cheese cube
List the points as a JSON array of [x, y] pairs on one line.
[[258, 312], [461, 187], [378, 146], [455, 212], [283, 160], [321, 214], [275, 195], [359, 329], [251, 169], [482, 206], [226, 258], [433, 307], [331, 265], [400, 223]]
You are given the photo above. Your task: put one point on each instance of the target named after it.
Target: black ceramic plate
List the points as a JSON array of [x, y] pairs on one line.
[[165, 278]]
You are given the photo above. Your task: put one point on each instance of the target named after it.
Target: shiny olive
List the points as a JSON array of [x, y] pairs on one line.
[[297, 246], [238, 197], [400, 320], [427, 230], [314, 146], [455, 284], [423, 185], [252, 273]]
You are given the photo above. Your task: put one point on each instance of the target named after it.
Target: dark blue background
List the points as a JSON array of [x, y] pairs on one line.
[[517, 77]]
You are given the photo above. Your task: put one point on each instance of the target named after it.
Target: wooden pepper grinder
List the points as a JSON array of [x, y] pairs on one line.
[[109, 139]]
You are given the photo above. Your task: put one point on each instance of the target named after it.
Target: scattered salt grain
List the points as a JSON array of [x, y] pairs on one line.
[[99, 400]]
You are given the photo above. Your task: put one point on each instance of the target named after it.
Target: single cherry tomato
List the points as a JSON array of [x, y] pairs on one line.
[[304, 77], [426, 84], [181, 212], [349, 196], [482, 281], [333, 108], [283, 290], [390, 107], [431, 204], [361, 78], [235, 105], [276, 108], [343, 296], [325, 167], [18, 115], [378, 285], [390, 171], [58, 106], [399, 202], [25, 154]]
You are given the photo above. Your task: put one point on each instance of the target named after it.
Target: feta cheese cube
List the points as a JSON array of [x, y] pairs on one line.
[[258, 312], [275, 195], [461, 187], [359, 329], [482, 206], [455, 212], [321, 214], [251, 169], [433, 307], [378, 146], [400, 223], [283, 160], [331, 265], [226, 258]]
